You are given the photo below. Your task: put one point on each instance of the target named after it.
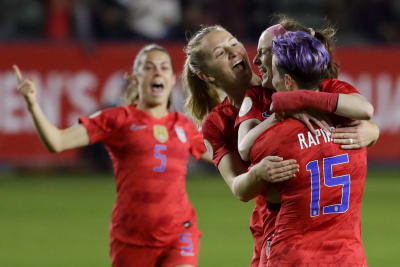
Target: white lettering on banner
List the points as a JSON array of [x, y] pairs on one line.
[[386, 99], [113, 88], [14, 117], [49, 95], [50, 91], [78, 88]]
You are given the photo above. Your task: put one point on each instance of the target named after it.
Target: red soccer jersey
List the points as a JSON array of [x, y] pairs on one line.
[[220, 137], [218, 130], [149, 157], [319, 220], [258, 100]]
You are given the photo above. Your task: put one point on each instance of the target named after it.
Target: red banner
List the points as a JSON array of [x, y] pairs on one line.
[[72, 82]]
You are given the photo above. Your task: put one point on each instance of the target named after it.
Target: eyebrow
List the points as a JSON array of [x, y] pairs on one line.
[[215, 48], [151, 62]]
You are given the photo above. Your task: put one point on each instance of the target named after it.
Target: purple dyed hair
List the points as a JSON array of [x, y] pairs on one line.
[[302, 56]]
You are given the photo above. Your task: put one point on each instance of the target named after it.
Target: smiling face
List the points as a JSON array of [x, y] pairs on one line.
[[263, 59], [155, 78], [277, 79], [226, 61]]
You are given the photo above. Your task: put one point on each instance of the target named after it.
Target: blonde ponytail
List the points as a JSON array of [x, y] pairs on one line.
[[202, 96]]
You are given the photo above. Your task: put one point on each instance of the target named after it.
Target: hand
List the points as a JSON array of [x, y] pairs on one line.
[[356, 135], [26, 87], [274, 169], [307, 118]]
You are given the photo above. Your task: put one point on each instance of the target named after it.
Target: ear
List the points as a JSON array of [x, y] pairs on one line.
[[290, 83], [205, 77]]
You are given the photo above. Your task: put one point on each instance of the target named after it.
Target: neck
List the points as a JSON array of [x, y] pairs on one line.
[[237, 93], [236, 97], [157, 111]]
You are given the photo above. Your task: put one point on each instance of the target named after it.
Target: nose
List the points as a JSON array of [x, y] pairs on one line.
[[256, 60], [232, 53], [157, 71]]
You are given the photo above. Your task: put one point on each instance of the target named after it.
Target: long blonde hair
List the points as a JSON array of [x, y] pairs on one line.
[[202, 97], [130, 95]]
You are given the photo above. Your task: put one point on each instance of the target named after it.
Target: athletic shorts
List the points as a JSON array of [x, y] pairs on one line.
[[258, 240], [182, 250]]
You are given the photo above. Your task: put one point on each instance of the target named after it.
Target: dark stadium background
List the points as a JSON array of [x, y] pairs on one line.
[[55, 209]]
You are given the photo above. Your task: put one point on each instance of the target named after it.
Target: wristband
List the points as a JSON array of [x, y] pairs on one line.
[[304, 99]]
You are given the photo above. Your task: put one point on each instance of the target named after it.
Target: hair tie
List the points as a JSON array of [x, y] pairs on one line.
[[276, 29]]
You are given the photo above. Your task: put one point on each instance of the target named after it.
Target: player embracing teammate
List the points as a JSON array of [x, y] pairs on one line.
[[319, 220], [218, 61]]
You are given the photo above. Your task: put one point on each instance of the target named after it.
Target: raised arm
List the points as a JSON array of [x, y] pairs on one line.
[[55, 140], [245, 185]]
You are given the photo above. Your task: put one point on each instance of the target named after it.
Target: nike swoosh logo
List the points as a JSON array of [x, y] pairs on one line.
[[137, 127]]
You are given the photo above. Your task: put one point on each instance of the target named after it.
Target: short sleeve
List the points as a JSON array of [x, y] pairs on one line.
[[337, 86], [251, 108], [197, 147], [102, 124], [214, 141]]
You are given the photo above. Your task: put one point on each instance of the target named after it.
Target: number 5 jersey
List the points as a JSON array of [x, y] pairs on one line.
[[149, 157]]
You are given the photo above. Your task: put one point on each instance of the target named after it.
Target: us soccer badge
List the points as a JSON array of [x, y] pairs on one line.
[[160, 133], [181, 134]]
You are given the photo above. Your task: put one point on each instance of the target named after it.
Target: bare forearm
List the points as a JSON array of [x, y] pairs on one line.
[[243, 184], [57, 140], [248, 140], [48, 133], [354, 106], [247, 186]]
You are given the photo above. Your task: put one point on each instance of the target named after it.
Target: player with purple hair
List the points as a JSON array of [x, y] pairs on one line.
[[319, 221]]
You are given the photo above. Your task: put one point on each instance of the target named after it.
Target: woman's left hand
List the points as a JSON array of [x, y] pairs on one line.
[[356, 135]]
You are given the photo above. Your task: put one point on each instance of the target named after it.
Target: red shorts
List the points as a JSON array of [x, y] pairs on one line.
[[258, 240], [183, 250]]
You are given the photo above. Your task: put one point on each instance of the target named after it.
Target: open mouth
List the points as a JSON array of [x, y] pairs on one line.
[[157, 88], [239, 66]]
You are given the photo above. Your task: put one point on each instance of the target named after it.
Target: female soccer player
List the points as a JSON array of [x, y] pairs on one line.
[[345, 100], [153, 222], [218, 61]]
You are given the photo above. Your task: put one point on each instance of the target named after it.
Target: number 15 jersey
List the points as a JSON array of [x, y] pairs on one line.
[[319, 220], [149, 157]]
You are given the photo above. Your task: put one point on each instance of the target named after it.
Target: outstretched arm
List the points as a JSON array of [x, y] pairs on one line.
[[54, 139]]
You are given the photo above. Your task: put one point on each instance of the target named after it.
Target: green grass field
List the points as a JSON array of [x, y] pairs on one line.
[[62, 220]]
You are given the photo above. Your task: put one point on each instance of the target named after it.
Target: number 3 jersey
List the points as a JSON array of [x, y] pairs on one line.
[[319, 220], [149, 157]]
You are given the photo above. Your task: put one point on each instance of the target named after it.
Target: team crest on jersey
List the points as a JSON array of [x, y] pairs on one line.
[[181, 134], [160, 133], [246, 106], [209, 147]]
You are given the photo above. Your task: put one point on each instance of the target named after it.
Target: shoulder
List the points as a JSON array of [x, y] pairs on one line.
[[112, 111], [220, 115], [337, 86], [184, 120]]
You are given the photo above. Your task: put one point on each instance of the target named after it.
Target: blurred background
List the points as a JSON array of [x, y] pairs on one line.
[[55, 209]]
